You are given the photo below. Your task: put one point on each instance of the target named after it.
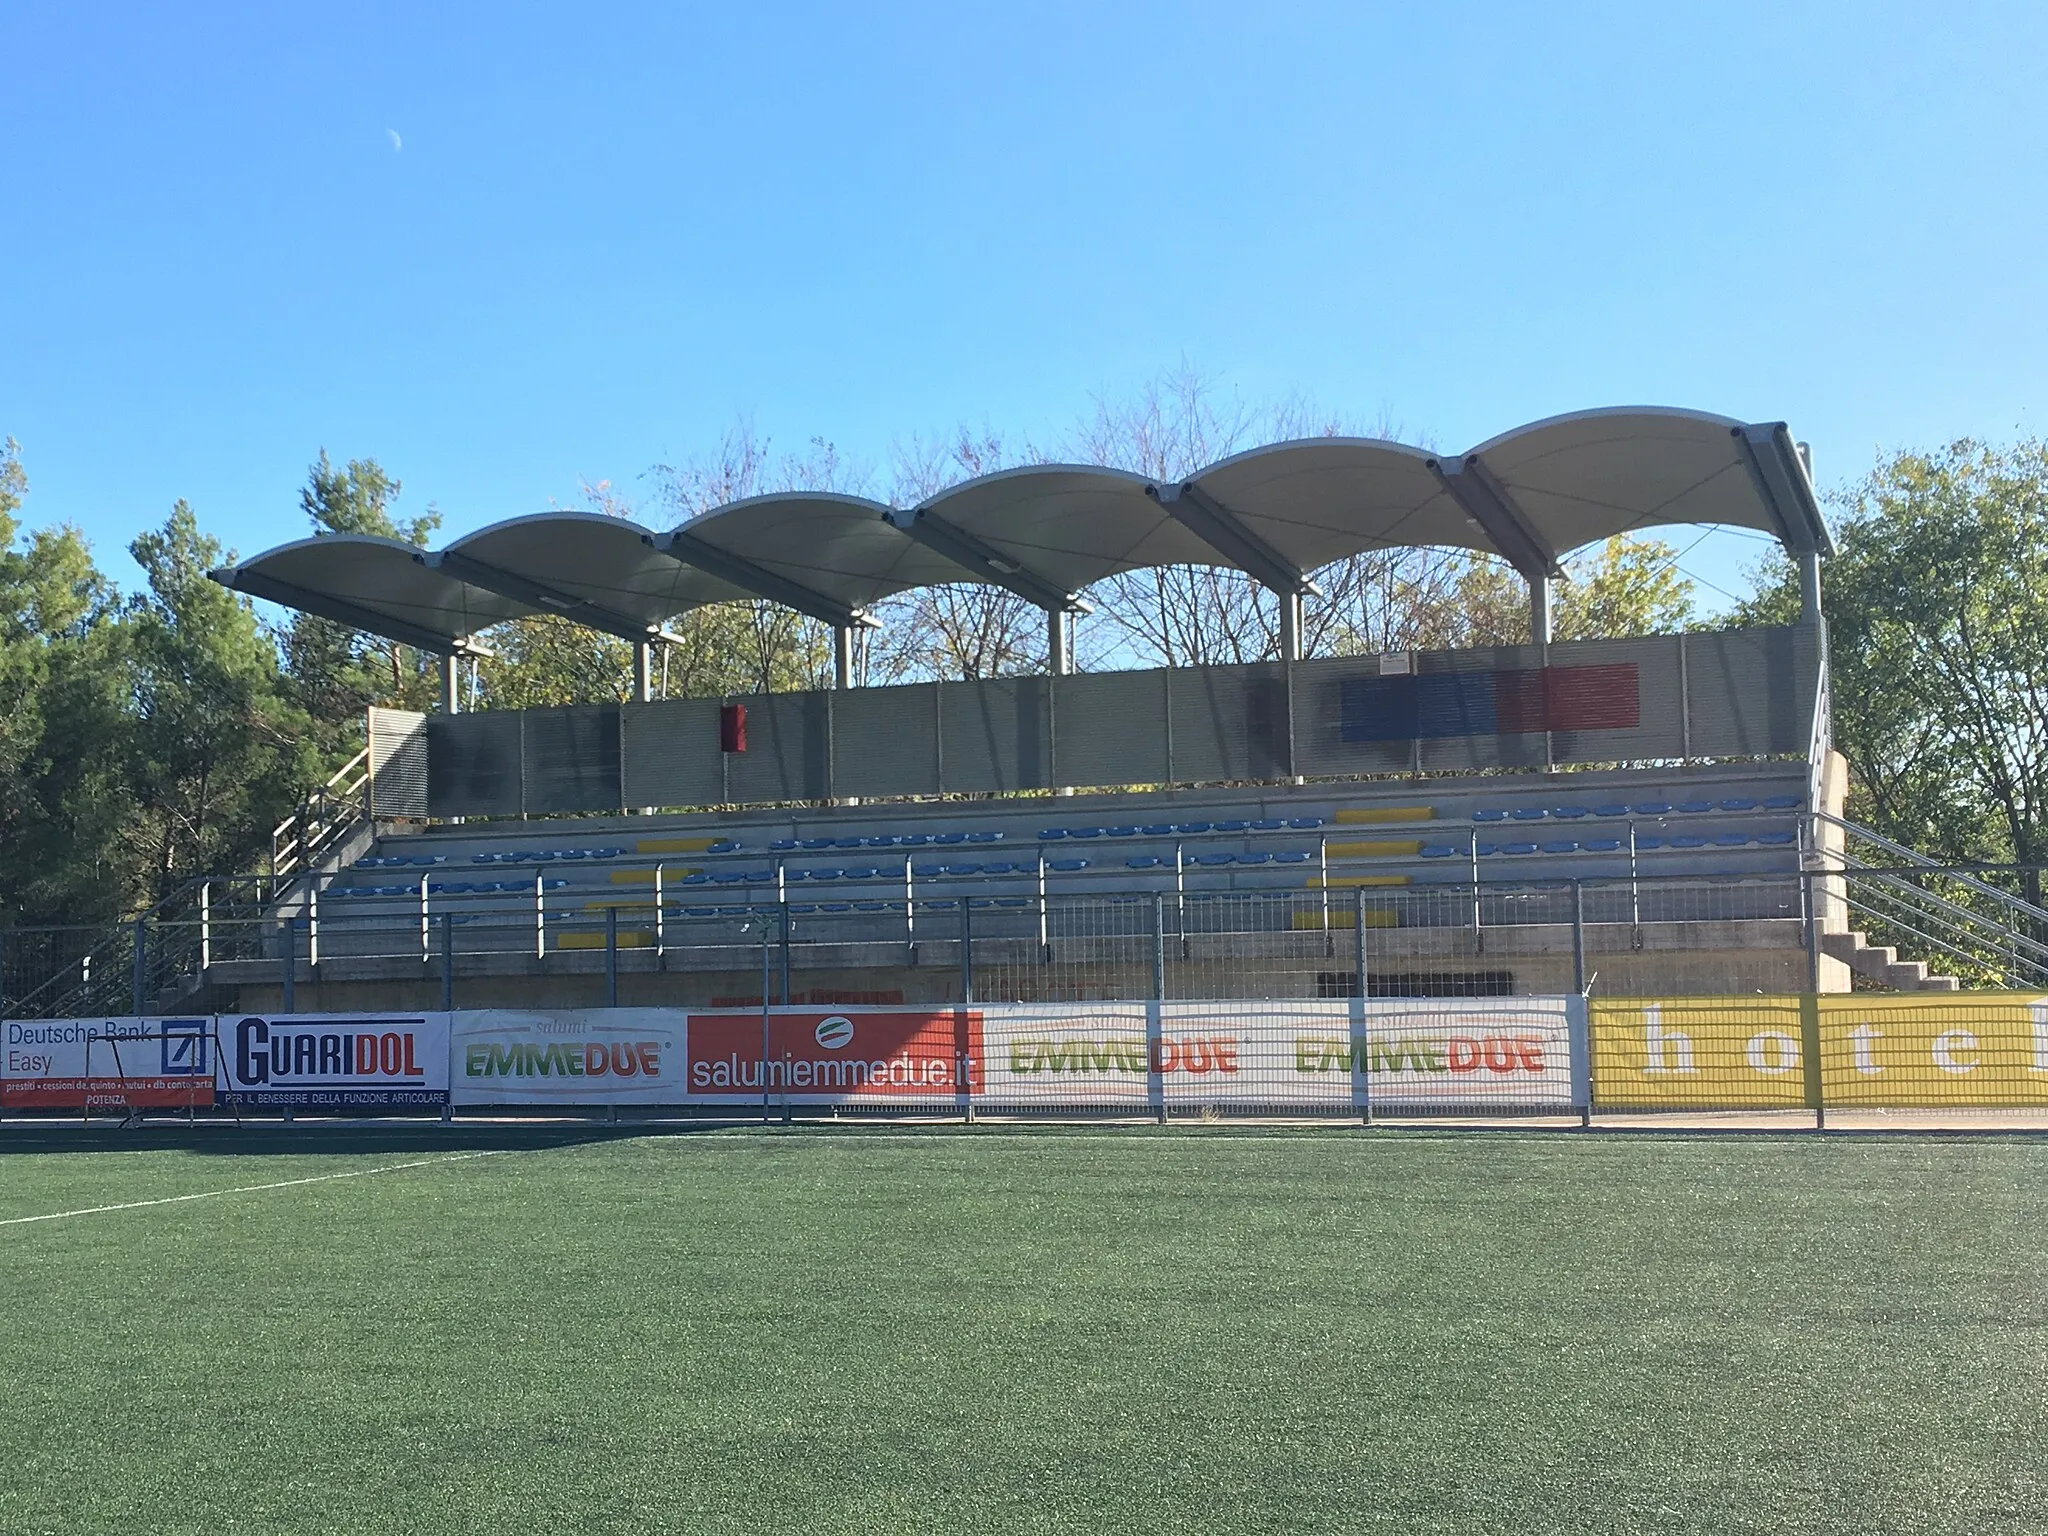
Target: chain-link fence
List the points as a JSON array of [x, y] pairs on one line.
[[265, 941]]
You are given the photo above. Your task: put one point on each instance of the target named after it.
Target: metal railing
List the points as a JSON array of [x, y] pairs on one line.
[[1943, 914], [326, 818]]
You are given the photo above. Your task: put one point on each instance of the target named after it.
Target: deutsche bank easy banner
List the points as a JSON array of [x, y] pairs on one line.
[[335, 1060], [106, 1063], [827, 1056], [594, 1056]]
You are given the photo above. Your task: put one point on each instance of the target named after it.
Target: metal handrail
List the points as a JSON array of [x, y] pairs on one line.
[[312, 829], [1922, 861]]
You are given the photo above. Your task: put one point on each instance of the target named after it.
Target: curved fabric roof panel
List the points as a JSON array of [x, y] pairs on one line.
[[1320, 499], [378, 585], [827, 554], [1048, 531], [1071, 524], [597, 570], [1587, 476]]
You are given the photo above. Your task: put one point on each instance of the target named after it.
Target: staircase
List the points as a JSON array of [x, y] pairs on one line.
[[1881, 963]]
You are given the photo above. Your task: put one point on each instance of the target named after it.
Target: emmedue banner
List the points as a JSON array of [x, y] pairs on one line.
[[129, 1063], [1876, 1050], [1334, 1055], [594, 1056], [335, 1060]]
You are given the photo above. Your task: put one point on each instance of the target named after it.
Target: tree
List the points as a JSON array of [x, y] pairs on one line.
[[336, 672], [220, 753], [1937, 607]]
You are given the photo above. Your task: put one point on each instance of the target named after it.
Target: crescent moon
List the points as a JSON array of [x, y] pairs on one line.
[[396, 142]]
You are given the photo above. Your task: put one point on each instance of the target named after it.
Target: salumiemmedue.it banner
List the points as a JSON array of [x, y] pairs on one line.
[[568, 1056], [878, 1056], [1876, 1050], [335, 1060]]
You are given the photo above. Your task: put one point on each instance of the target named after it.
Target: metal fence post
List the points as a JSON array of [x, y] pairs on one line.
[[1579, 937], [289, 993], [141, 977], [764, 1017], [966, 951], [447, 962], [540, 917], [783, 918], [426, 925], [1361, 1026], [1158, 946], [1155, 1011], [1358, 933], [205, 927], [1809, 1011], [611, 957], [660, 934]]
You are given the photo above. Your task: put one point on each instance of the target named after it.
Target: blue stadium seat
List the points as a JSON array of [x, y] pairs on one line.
[[860, 874], [1305, 823], [878, 842], [1731, 840], [871, 906], [1694, 807], [1120, 831], [1051, 834], [724, 847], [816, 844], [1563, 846], [1530, 813], [702, 911], [1646, 844], [963, 869], [835, 906], [1437, 850], [783, 845], [1213, 860], [949, 839], [1739, 803], [730, 877], [1293, 856], [1610, 810], [1517, 847], [1602, 845], [985, 837], [1486, 850], [1776, 839], [1254, 858], [1568, 813], [1013, 901], [1233, 826], [1003, 869], [1654, 808], [1490, 814], [1159, 829], [916, 840], [1191, 828], [1084, 831], [1782, 802], [699, 877], [831, 873], [800, 908], [1068, 866], [927, 871], [1686, 841], [848, 842], [1142, 861], [1270, 824]]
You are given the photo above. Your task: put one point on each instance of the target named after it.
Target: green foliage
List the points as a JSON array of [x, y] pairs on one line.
[[1937, 610], [1623, 586]]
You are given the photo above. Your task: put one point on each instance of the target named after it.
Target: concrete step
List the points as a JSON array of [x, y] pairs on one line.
[[1881, 963]]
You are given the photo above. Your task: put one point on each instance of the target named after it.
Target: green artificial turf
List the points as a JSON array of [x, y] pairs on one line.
[[978, 1330]]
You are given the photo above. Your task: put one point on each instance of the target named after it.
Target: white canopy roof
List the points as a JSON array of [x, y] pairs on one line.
[[1047, 532]]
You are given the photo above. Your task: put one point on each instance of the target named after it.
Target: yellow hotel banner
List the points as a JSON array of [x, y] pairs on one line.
[[1875, 1050]]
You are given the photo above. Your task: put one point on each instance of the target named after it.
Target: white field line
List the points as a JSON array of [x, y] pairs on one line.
[[250, 1189]]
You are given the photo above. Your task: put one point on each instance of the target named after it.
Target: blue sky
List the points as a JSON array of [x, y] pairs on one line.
[[611, 232]]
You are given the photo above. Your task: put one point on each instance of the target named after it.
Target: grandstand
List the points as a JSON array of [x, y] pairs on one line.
[[1639, 815]]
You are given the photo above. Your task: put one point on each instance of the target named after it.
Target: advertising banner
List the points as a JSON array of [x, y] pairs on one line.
[[824, 1055], [335, 1060], [1093, 1054], [125, 1063], [1877, 1050], [1320, 1055], [595, 1056]]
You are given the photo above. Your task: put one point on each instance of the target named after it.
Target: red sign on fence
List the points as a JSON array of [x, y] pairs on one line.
[[822, 1055]]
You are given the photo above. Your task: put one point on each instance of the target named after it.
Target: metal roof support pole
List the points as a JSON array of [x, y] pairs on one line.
[[1059, 642], [1290, 625], [1809, 585], [643, 668], [451, 684], [1539, 610], [842, 656]]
